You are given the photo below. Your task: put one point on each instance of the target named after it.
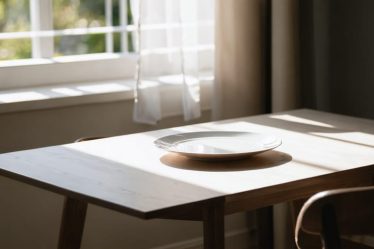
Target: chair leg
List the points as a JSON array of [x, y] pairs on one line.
[[330, 231]]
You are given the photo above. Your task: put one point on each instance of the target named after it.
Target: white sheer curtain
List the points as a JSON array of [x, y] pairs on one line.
[[173, 37]]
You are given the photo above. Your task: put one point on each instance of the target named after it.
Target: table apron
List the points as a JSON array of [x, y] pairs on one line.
[[297, 190]]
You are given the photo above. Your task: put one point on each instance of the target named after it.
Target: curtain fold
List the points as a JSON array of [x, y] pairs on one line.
[[241, 68], [285, 81], [257, 69], [239, 59]]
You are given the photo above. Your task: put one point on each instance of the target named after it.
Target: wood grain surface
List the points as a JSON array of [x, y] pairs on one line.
[[129, 174]]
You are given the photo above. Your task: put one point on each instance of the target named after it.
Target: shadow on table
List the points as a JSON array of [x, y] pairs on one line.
[[261, 161]]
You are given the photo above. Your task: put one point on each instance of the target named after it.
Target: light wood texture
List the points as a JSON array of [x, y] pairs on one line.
[[72, 224], [334, 213], [129, 174], [102, 182]]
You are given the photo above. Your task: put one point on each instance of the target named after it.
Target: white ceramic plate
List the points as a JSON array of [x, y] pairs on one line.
[[214, 145]]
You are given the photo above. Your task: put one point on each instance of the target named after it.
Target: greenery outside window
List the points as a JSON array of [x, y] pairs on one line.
[[59, 41]]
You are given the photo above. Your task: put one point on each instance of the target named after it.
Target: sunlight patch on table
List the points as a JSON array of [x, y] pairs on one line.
[[355, 137], [295, 119]]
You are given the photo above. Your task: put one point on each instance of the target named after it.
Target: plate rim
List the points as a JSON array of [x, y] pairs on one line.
[[168, 146]]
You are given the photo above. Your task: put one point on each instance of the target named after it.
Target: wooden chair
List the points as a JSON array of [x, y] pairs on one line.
[[337, 215]]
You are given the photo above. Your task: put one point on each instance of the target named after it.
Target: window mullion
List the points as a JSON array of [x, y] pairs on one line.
[[123, 22], [109, 23], [41, 13]]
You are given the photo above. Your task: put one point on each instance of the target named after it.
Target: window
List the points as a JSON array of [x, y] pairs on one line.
[[45, 42], [58, 41]]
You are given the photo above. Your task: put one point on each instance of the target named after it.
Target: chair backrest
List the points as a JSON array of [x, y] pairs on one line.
[[336, 213]]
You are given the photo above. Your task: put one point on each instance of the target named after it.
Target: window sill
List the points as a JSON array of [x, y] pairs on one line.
[[73, 94]]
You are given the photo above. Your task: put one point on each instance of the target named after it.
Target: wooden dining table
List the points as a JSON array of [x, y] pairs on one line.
[[131, 175]]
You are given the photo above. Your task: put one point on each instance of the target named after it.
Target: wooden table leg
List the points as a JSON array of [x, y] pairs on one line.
[[214, 225], [72, 224], [264, 217]]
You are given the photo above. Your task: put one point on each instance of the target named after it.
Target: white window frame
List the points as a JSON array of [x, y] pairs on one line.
[[41, 19], [42, 69]]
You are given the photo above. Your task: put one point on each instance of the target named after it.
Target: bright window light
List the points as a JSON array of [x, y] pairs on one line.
[[103, 88], [21, 96], [295, 119]]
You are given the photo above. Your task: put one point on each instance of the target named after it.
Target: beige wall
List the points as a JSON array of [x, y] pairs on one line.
[[30, 216], [25, 130]]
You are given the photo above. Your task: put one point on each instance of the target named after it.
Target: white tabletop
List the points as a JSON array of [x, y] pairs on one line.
[[132, 175]]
